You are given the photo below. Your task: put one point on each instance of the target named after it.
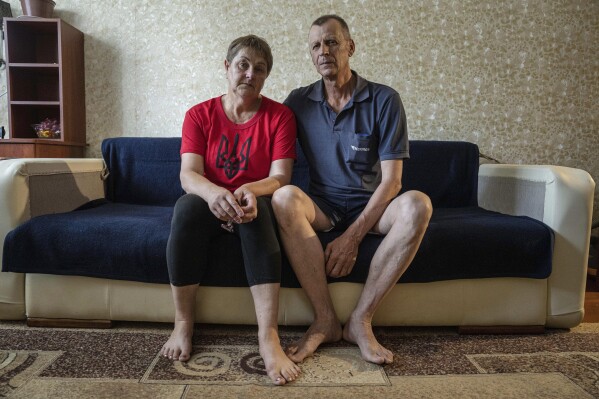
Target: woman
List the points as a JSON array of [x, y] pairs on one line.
[[236, 149]]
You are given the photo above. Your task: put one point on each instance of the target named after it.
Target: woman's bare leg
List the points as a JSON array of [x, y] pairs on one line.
[[279, 367], [178, 346]]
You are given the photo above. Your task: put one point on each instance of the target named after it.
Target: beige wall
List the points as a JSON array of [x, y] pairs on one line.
[[519, 78]]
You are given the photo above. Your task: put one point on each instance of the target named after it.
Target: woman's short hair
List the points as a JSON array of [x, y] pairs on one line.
[[253, 42]]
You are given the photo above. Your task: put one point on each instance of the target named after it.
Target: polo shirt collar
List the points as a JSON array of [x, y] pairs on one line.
[[360, 93]]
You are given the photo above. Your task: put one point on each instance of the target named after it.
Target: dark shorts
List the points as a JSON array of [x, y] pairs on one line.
[[341, 212]]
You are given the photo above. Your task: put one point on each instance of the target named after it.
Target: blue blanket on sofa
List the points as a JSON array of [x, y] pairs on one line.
[[124, 236]]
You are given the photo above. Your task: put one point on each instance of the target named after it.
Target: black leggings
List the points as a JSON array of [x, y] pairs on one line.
[[193, 229]]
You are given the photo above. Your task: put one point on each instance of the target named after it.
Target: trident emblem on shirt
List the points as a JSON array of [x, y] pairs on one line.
[[233, 161]]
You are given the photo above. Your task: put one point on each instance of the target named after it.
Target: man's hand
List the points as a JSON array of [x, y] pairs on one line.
[[249, 205], [340, 255]]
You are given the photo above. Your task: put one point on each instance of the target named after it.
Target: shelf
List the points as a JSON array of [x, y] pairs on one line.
[[40, 149], [25, 115], [45, 80], [38, 140], [34, 83], [32, 65], [32, 41], [35, 103]]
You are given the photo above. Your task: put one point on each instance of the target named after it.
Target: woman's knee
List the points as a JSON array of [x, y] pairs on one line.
[[263, 204], [189, 208], [264, 217]]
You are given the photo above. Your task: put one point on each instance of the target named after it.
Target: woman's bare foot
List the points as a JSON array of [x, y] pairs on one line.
[[360, 332], [278, 366], [318, 333], [178, 346]]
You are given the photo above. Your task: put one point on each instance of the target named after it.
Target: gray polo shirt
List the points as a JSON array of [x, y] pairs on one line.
[[344, 150]]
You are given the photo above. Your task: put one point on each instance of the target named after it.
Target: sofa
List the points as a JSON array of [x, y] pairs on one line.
[[84, 243]]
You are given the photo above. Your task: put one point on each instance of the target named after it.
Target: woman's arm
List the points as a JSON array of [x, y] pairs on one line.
[[278, 176], [220, 200]]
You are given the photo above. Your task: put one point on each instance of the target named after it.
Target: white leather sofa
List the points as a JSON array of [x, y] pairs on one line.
[[561, 197]]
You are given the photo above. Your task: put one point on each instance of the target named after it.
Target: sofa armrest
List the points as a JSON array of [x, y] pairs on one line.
[[562, 198], [30, 187]]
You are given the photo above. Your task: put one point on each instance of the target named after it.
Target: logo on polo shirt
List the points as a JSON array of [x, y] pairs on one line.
[[233, 161], [353, 147]]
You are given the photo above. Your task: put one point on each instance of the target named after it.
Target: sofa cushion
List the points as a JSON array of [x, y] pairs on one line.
[[100, 239], [469, 243], [111, 240], [143, 170], [128, 242], [447, 171]]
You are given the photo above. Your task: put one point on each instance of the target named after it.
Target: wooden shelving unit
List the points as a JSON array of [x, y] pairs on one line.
[[45, 79]]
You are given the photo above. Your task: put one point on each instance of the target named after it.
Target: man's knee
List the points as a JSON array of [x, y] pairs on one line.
[[286, 200], [290, 206], [416, 207]]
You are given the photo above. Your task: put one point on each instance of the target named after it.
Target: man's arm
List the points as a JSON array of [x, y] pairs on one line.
[[340, 254]]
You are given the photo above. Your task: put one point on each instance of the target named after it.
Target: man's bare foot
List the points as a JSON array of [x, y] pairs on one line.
[[318, 333], [278, 366], [360, 332], [178, 346]]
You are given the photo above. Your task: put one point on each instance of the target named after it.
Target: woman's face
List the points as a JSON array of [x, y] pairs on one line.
[[246, 73]]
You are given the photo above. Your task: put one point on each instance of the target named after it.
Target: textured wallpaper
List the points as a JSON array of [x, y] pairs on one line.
[[519, 78]]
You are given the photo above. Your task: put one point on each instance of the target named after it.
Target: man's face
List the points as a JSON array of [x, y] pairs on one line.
[[330, 49]]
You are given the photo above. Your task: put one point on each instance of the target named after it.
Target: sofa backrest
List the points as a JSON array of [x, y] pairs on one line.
[[447, 171], [145, 171]]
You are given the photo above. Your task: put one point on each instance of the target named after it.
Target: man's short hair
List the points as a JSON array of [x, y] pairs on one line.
[[254, 43], [324, 18]]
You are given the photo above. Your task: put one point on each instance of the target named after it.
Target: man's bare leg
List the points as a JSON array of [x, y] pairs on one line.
[[298, 217], [279, 367], [404, 223], [178, 346]]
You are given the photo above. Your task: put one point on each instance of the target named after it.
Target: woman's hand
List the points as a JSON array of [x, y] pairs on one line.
[[246, 198], [224, 205], [221, 201]]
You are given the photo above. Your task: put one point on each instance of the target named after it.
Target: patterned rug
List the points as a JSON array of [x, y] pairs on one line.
[[124, 362]]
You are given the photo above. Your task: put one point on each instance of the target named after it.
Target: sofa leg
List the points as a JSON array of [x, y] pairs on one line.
[[67, 323], [504, 330]]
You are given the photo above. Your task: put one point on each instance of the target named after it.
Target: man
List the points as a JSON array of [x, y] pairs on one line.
[[354, 135]]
